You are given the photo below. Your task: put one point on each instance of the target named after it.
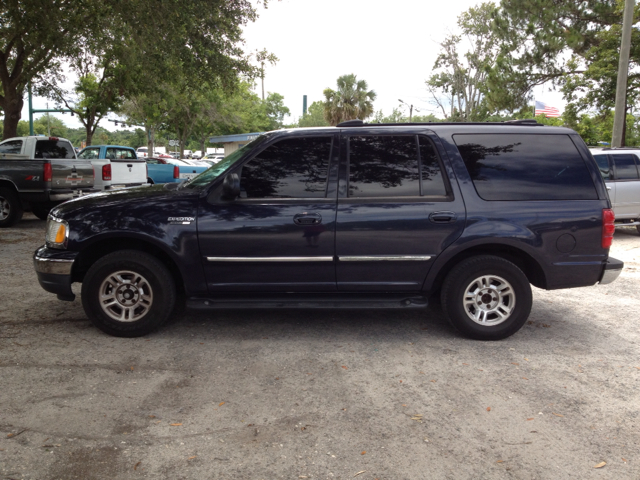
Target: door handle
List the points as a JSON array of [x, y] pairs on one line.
[[608, 188], [443, 217], [307, 218]]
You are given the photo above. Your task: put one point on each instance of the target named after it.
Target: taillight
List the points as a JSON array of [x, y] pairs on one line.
[[48, 174], [176, 172], [608, 227], [106, 172]]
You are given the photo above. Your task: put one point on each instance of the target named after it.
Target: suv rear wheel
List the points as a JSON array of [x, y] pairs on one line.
[[486, 297], [128, 293]]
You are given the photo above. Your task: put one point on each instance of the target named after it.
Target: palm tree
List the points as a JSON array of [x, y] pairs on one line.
[[350, 101]]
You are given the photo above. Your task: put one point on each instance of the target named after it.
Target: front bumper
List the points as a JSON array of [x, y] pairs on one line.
[[54, 268], [612, 270]]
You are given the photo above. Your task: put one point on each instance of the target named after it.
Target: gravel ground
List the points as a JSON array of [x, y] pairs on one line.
[[319, 395]]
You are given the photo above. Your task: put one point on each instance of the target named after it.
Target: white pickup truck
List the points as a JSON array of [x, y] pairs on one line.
[[115, 166], [37, 173]]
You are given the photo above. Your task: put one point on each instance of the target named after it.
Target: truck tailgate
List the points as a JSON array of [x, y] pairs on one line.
[[126, 172], [71, 174]]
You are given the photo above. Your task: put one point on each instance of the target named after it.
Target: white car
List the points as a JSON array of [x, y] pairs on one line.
[[620, 169]]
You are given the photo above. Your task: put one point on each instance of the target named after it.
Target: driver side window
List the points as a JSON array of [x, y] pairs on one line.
[[290, 168]]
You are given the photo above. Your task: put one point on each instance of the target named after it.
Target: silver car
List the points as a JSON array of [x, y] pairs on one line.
[[620, 169]]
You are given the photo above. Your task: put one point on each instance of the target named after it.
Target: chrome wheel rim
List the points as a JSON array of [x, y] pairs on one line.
[[5, 208], [126, 296], [489, 300]]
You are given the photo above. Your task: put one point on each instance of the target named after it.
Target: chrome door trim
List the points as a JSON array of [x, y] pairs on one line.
[[385, 258], [270, 259]]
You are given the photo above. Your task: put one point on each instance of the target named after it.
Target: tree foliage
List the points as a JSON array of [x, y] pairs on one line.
[[314, 116], [139, 42], [571, 45], [350, 101], [458, 84]]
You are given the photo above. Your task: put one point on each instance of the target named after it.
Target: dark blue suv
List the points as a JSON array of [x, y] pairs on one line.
[[353, 216]]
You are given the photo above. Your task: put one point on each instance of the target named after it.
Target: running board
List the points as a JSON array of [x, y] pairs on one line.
[[308, 301], [622, 223]]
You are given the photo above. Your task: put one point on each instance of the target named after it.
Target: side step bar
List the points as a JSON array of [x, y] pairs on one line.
[[308, 301]]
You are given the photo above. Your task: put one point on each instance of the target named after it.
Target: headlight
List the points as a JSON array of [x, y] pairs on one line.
[[57, 233]]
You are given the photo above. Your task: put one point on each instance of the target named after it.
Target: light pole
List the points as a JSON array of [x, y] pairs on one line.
[[410, 109]]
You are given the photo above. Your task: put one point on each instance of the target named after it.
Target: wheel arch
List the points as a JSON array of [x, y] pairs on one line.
[[7, 183], [100, 248], [523, 260]]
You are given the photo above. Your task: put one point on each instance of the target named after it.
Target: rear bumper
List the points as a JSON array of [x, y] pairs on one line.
[[54, 269], [612, 270]]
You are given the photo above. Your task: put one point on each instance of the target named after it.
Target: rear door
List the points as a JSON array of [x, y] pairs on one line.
[[397, 210], [126, 168]]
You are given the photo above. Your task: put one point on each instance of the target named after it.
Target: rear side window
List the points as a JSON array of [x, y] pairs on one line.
[[626, 168], [603, 165], [393, 166], [290, 168], [526, 167], [54, 149], [14, 146], [121, 154], [89, 153]]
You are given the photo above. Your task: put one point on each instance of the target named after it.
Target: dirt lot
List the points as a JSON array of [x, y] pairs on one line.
[[319, 395]]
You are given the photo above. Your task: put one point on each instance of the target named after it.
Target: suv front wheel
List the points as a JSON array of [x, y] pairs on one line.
[[486, 297], [128, 293]]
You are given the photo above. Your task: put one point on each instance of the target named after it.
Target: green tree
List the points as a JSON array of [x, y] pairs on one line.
[[147, 42], [276, 110], [458, 84], [314, 116], [350, 101], [572, 45]]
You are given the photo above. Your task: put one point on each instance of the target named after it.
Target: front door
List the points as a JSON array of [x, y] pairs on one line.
[[397, 210], [279, 235]]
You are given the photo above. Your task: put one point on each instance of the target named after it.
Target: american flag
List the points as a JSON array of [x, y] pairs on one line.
[[546, 110]]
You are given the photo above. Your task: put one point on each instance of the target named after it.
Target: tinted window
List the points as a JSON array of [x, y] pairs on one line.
[[432, 180], [292, 168], [382, 166], [625, 167], [54, 149], [14, 146], [526, 167], [89, 153], [603, 165]]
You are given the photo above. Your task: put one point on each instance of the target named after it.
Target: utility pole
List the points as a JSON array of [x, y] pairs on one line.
[[623, 71], [410, 110]]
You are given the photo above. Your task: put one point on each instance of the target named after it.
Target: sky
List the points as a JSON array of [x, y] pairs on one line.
[[392, 45]]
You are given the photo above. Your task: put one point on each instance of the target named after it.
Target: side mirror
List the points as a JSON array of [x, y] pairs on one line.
[[231, 187]]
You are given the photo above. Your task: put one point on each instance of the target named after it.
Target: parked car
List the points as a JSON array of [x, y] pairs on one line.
[[142, 152], [115, 166], [168, 170], [619, 168], [353, 216], [37, 173]]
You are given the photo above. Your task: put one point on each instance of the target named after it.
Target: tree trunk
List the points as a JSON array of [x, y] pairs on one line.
[[12, 107], [89, 138], [151, 138], [203, 142]]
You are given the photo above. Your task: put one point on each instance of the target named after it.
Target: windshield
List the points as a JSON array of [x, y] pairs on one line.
[[208, 176]]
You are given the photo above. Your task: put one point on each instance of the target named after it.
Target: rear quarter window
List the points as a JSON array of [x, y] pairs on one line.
[[526, 167]]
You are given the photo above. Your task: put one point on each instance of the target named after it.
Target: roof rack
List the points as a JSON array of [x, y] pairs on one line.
[[359, 123]]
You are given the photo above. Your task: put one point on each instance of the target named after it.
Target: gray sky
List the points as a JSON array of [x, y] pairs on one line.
[[392, 45]]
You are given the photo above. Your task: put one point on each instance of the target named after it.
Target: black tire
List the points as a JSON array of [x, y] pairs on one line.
[[41, 210], [638, 228], [149, 181], [10, 208], [500, 302], [142, 308]]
